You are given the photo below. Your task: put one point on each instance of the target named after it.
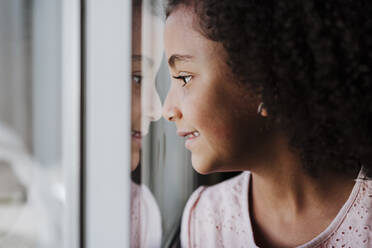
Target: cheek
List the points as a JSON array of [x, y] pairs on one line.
[[228, 126], [209, 113]]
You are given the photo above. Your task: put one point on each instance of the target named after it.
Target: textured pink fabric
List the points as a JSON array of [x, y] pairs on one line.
[[145, 216], [218, 216]]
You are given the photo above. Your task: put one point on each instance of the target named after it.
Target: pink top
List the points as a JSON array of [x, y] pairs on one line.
[[218, 216], [145, 218]]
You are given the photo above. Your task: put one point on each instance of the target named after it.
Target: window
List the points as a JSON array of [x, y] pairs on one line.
[[33, 169]]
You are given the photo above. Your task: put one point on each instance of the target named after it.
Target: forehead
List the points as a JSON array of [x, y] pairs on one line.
[[147, 36], [182, 35]]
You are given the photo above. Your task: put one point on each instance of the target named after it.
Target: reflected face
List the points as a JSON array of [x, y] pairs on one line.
[[146, 58], [216, 115]]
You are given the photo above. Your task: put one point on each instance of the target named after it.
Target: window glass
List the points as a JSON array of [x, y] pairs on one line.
[[32, 193], [160, 164]]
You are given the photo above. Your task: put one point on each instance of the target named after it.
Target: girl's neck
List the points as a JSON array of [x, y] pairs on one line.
[[283, 183], [292, 192], [283, 194]]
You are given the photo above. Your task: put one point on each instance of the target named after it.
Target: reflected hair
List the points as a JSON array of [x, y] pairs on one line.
[[311, 61]]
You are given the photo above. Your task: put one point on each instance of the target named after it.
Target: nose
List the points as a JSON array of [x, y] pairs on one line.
[[170, 111], [152, 106]]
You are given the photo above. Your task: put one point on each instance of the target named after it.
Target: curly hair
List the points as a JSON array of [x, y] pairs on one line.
[[311, 62]]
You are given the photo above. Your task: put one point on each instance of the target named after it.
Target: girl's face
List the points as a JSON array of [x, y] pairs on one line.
[[216, 115]]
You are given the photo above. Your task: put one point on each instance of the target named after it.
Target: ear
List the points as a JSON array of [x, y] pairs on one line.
[[261, 110], [264, 112]]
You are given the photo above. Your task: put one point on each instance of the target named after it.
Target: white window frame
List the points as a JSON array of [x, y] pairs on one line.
[[71, 119], [107, 123]]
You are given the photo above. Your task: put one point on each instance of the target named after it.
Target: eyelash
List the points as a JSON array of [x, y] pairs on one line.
[[184, 79]]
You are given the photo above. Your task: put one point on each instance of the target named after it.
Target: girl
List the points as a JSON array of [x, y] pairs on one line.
[[281, 90]]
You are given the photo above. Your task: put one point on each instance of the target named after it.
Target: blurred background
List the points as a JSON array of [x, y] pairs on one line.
[[31, 188]]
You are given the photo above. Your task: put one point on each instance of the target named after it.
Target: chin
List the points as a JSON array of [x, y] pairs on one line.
[[204, 165], [135, 159]]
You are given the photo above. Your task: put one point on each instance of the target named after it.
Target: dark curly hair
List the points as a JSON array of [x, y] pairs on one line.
[[311, 61]]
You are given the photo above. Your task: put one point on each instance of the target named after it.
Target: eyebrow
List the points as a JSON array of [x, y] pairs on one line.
[[178, 58], [139, 58]]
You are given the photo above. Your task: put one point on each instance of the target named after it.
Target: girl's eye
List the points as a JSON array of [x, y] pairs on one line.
[[137, 79], [185, 79]]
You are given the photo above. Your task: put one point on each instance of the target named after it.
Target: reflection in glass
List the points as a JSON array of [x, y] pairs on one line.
[[162, 174], [146, 230]]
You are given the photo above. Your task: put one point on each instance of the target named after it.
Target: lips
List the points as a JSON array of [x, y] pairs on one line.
[[191, 137], [136, 134], [189, 134]]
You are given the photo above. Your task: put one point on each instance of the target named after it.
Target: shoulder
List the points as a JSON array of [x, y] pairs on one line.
[[356, 228], [145, 217], [211, 209], [151, 219], [364, 200], [213, 197]]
